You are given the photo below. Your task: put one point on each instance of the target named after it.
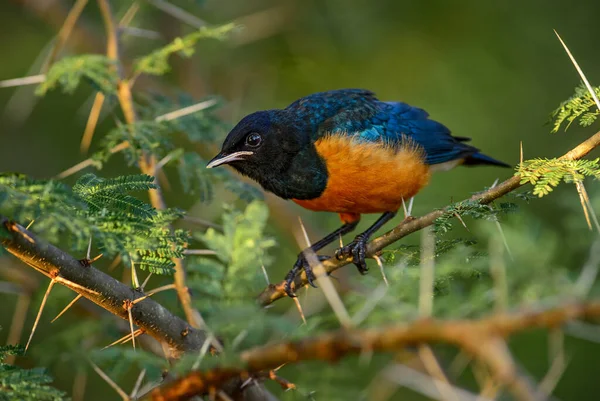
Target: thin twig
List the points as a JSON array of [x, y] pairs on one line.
[[427, 270], [64, 32], [325, 283], [426, 385], [131, 326], [30, 80], [154, 291], [125, 338], [138, 384], [435, 371], [66, 308], [37, 318], [147, 163], [79, 384], [110, 382], [580, 72], [89, 162], [300, 310], [202, 222], [92, 121], [199, 252], [187, 110], [178, 13]]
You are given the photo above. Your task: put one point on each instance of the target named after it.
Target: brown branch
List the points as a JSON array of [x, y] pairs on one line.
[[147, 163], [65, 32], [469, 335], [100, 288], [276, 291]]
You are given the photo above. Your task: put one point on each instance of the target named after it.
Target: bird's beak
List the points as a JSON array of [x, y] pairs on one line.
[[224, 159]]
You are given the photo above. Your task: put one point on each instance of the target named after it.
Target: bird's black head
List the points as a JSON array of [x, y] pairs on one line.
[[264, 146]]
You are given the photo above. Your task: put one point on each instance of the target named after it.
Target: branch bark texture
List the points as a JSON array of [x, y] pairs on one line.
[[100, 288], [472, 336]]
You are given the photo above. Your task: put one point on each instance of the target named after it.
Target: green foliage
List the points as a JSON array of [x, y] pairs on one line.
[[68, 72], [103, 210], [195, 177], [103, 195], [410, 255], [199, 126], [240, 251], [157, 62], [224, 285], [144, 138], [227, 284], [473, 209], [579, 106], [546, 174], [17, 384]]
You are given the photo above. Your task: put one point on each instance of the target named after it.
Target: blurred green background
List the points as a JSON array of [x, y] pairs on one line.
[[489, 70]]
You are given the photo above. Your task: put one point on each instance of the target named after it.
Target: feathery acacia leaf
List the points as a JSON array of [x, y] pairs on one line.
[[17, 384], [157, 62], [103, 209], [546, 174], [579, 106], [68, 72], [143, 137]]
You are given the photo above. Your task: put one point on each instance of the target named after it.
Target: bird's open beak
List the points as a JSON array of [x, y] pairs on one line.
[[224, 159]]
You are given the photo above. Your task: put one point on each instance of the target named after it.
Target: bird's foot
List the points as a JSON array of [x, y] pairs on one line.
[[358, 250], [301, 263]]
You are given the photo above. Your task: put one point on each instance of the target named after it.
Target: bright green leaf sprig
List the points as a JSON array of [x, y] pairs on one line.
[[157, 62], [546, 174], [579, 106], [68, 72]]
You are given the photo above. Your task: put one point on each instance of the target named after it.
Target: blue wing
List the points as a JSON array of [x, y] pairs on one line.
[[359, 113], [394, 120]]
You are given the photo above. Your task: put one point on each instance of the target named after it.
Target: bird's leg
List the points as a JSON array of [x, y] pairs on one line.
[[302, 263], [358, 248]]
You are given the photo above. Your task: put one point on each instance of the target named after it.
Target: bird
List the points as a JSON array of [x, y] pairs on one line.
[[344, 151]]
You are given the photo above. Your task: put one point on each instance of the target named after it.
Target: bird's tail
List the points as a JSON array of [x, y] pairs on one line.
[[477, 159]]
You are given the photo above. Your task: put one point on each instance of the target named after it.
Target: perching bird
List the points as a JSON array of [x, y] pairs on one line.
[[347, 152]]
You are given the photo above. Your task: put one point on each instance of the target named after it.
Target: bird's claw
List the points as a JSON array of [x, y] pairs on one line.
[[301, 263], [358, 250]]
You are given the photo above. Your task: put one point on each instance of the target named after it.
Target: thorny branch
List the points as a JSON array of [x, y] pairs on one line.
[[100, 288], [147, 163], [477, 337], [114, 296], [276, 291]]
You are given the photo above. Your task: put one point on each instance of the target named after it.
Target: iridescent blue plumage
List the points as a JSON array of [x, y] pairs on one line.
[[359, 113]]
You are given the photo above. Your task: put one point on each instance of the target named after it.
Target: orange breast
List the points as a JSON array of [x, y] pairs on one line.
[[367, 177]]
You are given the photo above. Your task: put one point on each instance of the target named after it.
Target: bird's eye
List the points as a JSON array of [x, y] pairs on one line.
[[253, 140]]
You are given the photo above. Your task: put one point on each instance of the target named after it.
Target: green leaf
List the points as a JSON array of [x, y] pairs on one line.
[[68, 72], [194, 176], [104, 209], [17, 384], [579, 106], [157, 62], [241, 251], [144, 138], [547, 174]]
